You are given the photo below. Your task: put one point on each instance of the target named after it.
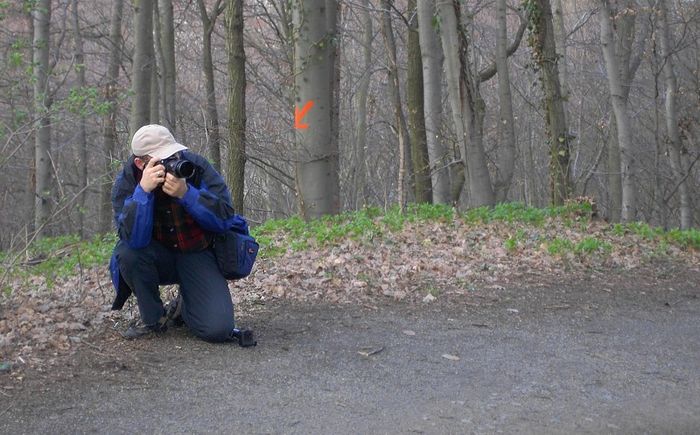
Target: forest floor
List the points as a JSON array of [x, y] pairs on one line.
[[471, 337]]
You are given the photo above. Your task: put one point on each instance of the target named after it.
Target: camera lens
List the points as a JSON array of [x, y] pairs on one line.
[[180, 168], [183, 169]]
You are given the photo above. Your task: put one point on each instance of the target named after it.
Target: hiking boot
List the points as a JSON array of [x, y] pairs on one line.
[[138, 329], [173, 312]]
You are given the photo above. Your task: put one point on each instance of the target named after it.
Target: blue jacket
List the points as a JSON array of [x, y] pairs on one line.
[[207, 200]]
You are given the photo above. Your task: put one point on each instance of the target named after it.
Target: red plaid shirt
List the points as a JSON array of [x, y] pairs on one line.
[[173, 226]]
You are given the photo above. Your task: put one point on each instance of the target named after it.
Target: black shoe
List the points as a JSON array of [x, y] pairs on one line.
[[245, 337], [138, 329], [173, 312]]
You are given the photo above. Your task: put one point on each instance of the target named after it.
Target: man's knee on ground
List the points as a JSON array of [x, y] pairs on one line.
[[215, 330]]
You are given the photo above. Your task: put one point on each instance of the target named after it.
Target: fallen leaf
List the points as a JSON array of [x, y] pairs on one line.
[[429, 298], [512, 310], [450, 357], [368, 351], [409, 332]]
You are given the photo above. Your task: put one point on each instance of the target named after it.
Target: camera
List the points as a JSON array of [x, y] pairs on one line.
[[181, 168]]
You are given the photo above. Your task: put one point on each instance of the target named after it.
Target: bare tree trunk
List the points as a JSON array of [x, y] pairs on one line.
[[333, 17], [394, 91], [42, 160], [317, 164], [630, 56], [109, 131], [359, 166], [676, 152], [156, 84], [167, 42], [142, 64], [545, 56], [79, 65], [624, 133], [466, 102], [453, 66], [212, 121], [431, 54], [416, 116], [560, 43], [236, 103], [614, 176], [506, 126]]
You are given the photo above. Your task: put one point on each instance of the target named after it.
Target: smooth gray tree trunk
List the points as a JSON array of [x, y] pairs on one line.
[[359, 165], [81, 139], [317, 154], [157, 98], [333, 17], [467, 106], [395, 94], [630, 55], [41, 15], [235, 173], [212, 121], [109, 121], [142, 65], [675, 152], [423, 188], [167, 42], [157, 75], [560, 43], [431, 54], [624, 133], [506, 126]]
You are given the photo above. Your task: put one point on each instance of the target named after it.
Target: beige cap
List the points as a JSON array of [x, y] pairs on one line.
[[156, 141]]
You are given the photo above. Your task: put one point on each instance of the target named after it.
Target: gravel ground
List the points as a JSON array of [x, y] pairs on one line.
[[613, 354]]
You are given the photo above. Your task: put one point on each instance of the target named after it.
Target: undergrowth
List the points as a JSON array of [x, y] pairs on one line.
[[59, 257]]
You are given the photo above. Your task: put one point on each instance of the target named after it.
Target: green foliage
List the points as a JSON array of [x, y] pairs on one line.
[[684, 238], [512, 242], [58, 257], [394, 219], [276, 236], [618, 230], [559, 246], [643, 230], [477, 215], [516, 212], [84, 101], [4, 6], [62, 256], [16, 53], [590, 245]]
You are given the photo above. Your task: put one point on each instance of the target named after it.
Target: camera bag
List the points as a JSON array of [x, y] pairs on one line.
[[235, 251]]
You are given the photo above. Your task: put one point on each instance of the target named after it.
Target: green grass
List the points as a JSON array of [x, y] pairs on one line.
[[514, 240], [559, 246], [685, 239], [512, 212], [64, 256], [591, 245]]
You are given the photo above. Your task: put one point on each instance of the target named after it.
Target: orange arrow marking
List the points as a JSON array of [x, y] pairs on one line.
[[299, 115]]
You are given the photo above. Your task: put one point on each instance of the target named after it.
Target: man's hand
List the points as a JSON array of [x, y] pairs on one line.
[[175, 187], [153, 175]]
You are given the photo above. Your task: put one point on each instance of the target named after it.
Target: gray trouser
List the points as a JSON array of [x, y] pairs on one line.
[[207, 307]]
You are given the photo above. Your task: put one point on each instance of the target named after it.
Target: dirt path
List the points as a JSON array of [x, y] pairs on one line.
[[604, 355]]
